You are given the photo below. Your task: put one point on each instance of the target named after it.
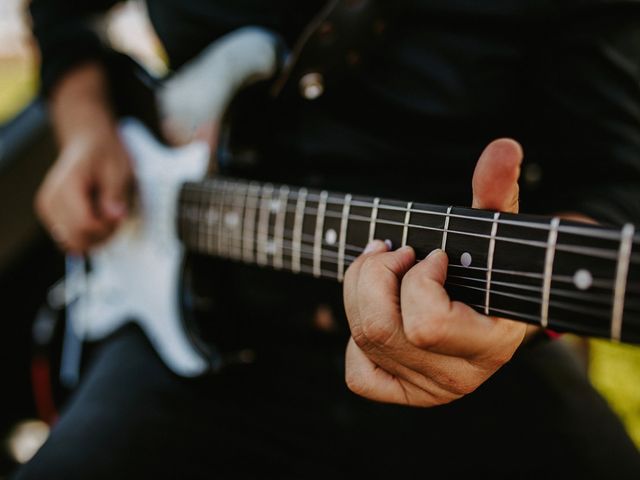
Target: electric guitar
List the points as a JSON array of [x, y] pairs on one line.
[[559, 274]]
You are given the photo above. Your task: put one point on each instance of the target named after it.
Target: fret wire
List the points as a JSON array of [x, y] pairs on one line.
[[445, 229], [240, 197], [278, 233], [374, 218], [263, 224], [230, 218], [211, 213], [622, 271], [193, 212], [344, 224], [204, 201], [197, 213], [297, 228], [317, 244], [228, 208], [552, 241], [194, 215], [222, 195], [188, 213], [405, 228], [571, 229], [213, 229], [224, 221], [248, 234], [490, 254], [181, 221]]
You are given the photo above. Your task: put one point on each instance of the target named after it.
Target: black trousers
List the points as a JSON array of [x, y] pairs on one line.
[[289, 415]]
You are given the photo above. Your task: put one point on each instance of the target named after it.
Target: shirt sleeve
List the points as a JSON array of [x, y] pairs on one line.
[[64, 33], [584, 74]]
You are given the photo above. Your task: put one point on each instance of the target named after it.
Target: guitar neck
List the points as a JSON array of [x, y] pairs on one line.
[[562, 275]]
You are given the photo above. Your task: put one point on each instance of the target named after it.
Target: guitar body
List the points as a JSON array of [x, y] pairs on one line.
[[136, 276]]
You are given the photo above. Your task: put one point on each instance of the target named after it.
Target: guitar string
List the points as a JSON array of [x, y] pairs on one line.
[[566, 279], [336, 199], [598, 252], [578, 230], [595, 282], [595, 297], [307, 253], [595, 252]]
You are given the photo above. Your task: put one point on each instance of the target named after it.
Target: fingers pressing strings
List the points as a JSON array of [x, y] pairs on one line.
[[373, 302]]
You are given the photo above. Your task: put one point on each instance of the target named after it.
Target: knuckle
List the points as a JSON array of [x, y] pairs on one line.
[[86, 230], [356, 382], [374, 334], [456, 386], [350, 273], [40, 205], [460, 389], [427, 331], [370, 267], [497, 359]]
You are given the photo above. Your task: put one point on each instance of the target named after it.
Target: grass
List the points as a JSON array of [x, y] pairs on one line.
[[614, 368]]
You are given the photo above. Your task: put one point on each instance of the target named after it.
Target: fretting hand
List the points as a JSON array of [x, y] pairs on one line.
[[410, 344]]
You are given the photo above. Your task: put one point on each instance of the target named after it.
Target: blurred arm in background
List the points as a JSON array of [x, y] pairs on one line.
[[84, 195]]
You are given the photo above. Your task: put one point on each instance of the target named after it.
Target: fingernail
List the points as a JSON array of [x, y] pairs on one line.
[[435, 252], [375, 246], [389, 244]]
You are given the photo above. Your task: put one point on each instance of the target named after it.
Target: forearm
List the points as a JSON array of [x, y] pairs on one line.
[[79, 103]]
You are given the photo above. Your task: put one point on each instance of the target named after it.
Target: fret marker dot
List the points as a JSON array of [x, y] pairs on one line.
[[466, 259], [275, 206], [583, 279], [231, 219], [330, 237]]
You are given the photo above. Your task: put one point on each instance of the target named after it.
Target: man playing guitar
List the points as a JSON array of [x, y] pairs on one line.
[[444, 81]]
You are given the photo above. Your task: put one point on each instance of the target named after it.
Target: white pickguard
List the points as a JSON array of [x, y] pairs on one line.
[[135, 276]]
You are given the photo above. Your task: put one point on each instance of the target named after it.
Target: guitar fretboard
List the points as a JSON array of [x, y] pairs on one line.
[[554, 273]]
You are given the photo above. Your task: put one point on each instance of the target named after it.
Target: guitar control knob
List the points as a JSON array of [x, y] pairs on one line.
[[311, 85]]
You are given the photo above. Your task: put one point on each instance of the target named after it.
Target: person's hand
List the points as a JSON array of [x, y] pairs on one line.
[[410, 344], [84, 195]]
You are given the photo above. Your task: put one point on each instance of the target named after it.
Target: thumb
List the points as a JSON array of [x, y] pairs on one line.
[[495, 179]]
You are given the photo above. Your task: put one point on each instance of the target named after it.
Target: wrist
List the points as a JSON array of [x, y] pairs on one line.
[[80, 107]]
